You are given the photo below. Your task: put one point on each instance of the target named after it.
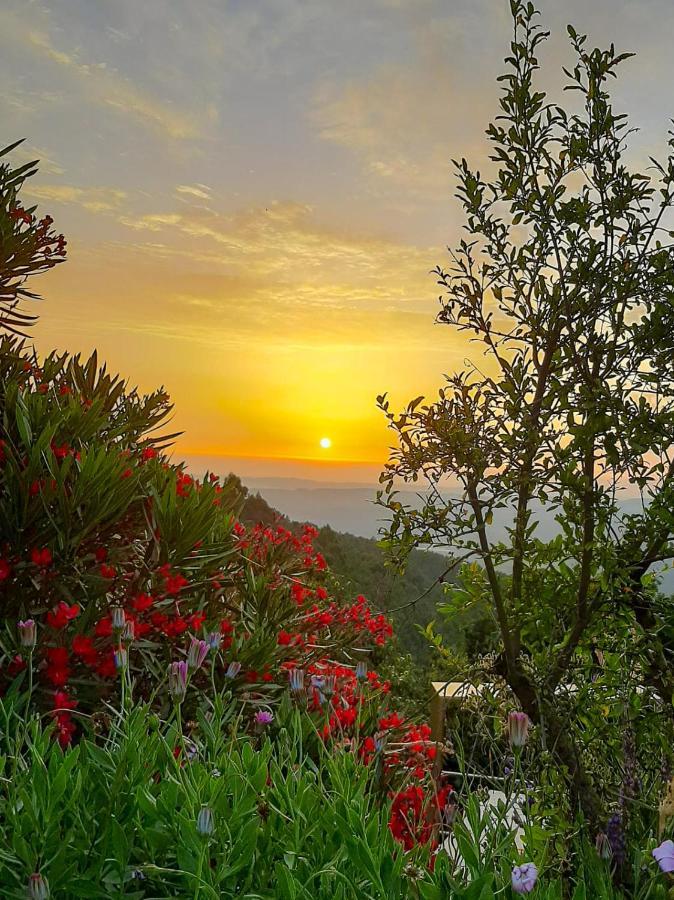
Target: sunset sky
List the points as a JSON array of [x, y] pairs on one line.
[[255, 193]]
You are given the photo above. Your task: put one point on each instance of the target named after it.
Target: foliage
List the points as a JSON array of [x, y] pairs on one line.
[[409, 598], [567, 282], [27, 246], [242, 815]]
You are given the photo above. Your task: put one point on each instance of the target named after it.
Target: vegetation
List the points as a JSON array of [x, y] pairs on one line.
[[566, 280], [194, 705], [410, 598]]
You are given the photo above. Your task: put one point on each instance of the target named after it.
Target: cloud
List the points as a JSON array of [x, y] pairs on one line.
[[406, 120], [285, 243], [96, 199], [100, 84], [199, 191]]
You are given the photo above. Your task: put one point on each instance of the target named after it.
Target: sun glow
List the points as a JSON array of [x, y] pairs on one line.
[[325, 443]]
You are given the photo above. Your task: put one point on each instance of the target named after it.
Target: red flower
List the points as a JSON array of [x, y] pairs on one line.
[[101, 554], [16, 665], [106, 667], [5, 569], [83, 647], [174, 583], [103, 627], [142, 602], [41, 557], [62, 614], [148, 453], [57, 670], [107, 571], [62, 701]]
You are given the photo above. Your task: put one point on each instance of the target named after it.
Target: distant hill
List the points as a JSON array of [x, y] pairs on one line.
[[359, 563]]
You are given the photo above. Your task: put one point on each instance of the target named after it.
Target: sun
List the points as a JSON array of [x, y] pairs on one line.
[[325, 443]]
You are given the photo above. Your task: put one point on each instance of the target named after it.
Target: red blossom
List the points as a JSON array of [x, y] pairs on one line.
[[62, 614], [41, 557]]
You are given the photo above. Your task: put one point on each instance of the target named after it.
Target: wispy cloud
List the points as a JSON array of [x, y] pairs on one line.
[[95, 199], [99, 83], [198, 191]]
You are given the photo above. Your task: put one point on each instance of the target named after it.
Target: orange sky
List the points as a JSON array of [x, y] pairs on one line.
[[255, 194]]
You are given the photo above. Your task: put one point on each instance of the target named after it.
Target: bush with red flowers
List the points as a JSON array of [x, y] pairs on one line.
[[117, 566]]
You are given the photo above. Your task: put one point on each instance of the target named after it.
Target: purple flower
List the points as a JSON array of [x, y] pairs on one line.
[[665, 856], [121, 658], [177, 679], [524, 878], [28, 633], [518, 728], [197, 653], [264, 717], [233, 669]]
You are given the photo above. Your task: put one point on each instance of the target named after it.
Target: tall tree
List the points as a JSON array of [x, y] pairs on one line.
[[567, 281]]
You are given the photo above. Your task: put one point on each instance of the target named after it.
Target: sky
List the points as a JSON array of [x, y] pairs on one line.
[[255, 194]]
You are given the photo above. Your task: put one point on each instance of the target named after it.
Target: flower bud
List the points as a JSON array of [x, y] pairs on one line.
[[197, 653], [214, 640], [118, 618], [518, 728], [28, 633], [296, 679], [121, 658], [233, 669], [177, 680], [128, 632], [603, 845], [361, 670], [38, 887], [205, 824]]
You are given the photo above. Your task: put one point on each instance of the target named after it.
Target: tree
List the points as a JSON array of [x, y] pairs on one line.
[[567, 280]]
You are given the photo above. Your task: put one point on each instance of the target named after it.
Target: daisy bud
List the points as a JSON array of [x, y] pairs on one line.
[[118, 618], [121, 658], [128, 632], [603, 845], [214, 640], [28, 633], [233, 669], [38, 887], [205, 824], [296, 679], [361, 670], [177, 680], [197, 653], [518, 728]]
